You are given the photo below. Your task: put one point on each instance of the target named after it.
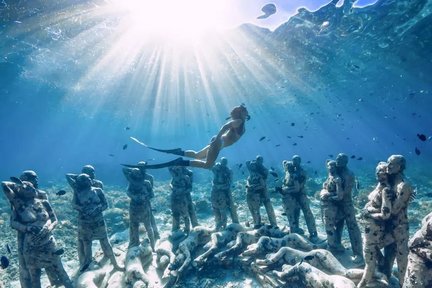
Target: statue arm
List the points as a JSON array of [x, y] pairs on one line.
[[71, 179], [403, 195], [9, 191], [15, 224], [52, 216], [104, 203]]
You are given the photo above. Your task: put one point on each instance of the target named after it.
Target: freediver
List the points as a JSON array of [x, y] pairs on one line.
[[229, 134]]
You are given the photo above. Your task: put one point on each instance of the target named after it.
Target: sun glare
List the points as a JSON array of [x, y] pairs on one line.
[[173, 19]]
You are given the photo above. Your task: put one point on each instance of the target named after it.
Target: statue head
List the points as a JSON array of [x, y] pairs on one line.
[[30, 176], [89, 170]]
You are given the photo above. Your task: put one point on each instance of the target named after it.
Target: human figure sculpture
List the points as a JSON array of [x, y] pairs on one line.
[[90, 202], [294, 198], [199, 235], [398, 222], [331, 195], [150, 178], [25, 281], [221, 197], [35, 219], [419, 268], [348, 209], [376, 213], [181, 184], [257, 193], [139, 191]]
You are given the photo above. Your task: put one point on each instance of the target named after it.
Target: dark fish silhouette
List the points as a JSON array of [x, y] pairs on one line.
[[111, 155], [59, 251], [300, 136], [360, 158], [308, 161], [8, 248], [330, 155], [268, 9], [417, 151], [277, 145], [125, 146], [60, 192], [292, 124], [294, 144], [353, 156], [4, 262], [240, 165], [422, 137], [127, 128], [262, 138]]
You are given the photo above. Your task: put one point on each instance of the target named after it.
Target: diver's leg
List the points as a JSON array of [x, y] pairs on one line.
[[202, 154]]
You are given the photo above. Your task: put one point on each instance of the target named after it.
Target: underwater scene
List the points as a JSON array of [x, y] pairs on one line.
[[229, 143]]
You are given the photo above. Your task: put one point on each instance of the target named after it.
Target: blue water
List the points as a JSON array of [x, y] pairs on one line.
[[70, 84]]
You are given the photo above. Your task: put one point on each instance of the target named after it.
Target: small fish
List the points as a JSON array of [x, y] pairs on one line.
[[294, 144], [360, 158], [353, 157], [289, 137], [125, 146], [274, 174], [422, 137], [59, 252], [4, 262], [8, 248], [240, 165], [277, 145], [262, 138], [283, 214], [127, 128], [417, 151], [300, 136], [111, 155], [292, 124], [330, 155], [60, 192], [308, 162]]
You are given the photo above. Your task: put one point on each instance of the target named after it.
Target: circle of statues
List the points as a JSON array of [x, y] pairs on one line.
[[275, 256]]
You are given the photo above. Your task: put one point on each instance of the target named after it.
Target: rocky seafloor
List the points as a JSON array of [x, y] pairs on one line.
[[117, 223]]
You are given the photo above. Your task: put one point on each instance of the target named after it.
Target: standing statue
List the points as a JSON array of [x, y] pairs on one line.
[[257, 193], [90, 202], [35, 219], [294, 197], [221, 197], [139, 191]]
